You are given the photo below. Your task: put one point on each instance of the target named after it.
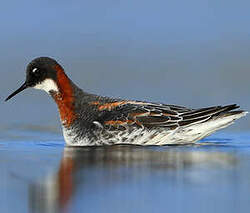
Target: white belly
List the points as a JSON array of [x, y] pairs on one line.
[[159, 136]]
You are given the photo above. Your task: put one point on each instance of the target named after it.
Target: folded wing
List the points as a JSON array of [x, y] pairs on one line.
[[151, 115]]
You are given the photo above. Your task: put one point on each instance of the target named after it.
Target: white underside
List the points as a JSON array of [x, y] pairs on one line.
[[181, 135]]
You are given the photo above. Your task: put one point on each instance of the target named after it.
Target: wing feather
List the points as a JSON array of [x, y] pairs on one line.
[[152, 115]]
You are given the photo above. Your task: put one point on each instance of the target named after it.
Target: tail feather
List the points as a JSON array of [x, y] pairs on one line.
[[204, 127], [205, 114]]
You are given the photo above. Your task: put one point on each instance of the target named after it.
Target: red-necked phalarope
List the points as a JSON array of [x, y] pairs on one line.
[[89, 119]]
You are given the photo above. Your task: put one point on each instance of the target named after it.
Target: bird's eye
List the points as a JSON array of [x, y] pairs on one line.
[[35, 70]]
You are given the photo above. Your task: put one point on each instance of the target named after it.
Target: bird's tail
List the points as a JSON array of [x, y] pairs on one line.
[[209, 120], [226, 112]]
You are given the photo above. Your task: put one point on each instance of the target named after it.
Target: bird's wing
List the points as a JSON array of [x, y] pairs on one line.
[[119, 114]]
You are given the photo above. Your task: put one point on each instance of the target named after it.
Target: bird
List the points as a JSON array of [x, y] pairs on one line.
[[92, 120]]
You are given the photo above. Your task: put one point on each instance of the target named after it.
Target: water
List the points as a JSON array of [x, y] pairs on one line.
[[40, 174]]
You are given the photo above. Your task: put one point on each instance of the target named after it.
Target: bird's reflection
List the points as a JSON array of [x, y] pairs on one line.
[[81, 168]]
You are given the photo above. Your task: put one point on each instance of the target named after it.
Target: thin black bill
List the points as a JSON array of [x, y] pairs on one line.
[[23, 87]]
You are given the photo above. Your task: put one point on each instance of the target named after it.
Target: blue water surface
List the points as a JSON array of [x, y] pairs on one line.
[[40, 174]]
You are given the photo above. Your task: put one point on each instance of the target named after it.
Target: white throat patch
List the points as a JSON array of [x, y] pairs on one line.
[[47, 85]]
